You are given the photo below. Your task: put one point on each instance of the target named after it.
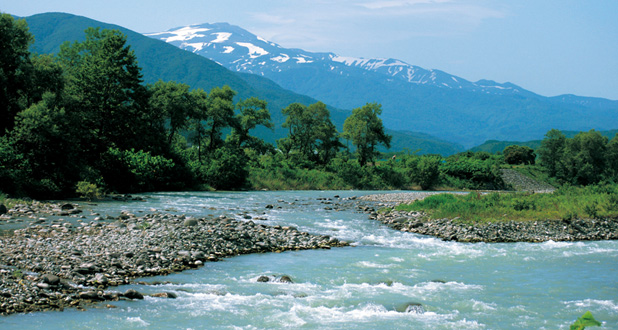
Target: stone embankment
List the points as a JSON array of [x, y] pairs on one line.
[[495, 232], [51, 266], [522, 182]]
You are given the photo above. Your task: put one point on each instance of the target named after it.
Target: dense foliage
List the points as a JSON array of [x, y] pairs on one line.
[[587, 158], [83, 121]]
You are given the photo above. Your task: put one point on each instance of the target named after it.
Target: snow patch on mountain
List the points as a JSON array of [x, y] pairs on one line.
[[281, 58], [196, 46], [219, 42], [221, 37], [182, 34], [254, 51]]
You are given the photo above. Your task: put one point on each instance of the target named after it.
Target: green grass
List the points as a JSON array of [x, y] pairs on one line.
[[565, 203], [10, 202]]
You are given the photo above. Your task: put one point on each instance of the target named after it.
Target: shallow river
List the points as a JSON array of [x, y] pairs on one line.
[[460, 286]]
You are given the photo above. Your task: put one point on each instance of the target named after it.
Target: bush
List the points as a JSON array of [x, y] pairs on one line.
[[130, 170], [88, 190], [225, 169]]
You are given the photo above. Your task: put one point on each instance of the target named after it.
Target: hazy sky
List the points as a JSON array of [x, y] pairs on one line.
[[550, 47]]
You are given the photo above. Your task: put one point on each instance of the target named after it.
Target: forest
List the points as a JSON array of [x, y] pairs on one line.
[[82, 122]]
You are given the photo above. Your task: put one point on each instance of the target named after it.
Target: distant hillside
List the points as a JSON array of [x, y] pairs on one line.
[[493, 146], [160, 60], [426, 100]]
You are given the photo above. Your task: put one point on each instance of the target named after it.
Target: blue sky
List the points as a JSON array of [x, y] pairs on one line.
[[550, 47]]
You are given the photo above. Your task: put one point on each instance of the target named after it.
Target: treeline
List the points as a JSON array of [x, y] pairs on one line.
[[83, 119], [587, 158]]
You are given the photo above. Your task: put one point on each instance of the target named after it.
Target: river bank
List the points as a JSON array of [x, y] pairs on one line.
[[493, 232], [68, 262]]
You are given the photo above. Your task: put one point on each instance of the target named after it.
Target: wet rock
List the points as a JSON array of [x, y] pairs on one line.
[[169, 295], [132, 294], [415, 308], [50, 279], [90, 295], [67, 206], [285, 279], [263, 278]]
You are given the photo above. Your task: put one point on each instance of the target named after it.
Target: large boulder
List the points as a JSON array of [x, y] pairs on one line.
[[3, 209]]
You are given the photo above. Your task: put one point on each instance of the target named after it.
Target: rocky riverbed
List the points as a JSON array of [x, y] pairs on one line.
[[51, 265], [496, 232]]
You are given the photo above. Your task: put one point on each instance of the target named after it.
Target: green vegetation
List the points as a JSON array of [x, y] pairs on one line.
[[566, 203], [88, 190], [84, 116], [586, 320], [83, 122]]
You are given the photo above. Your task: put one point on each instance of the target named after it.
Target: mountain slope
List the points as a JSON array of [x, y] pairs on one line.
[[413, 98], [160, 60]]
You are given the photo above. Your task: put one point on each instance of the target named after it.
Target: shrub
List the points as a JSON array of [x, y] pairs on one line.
[[88, 190], [130, 170]]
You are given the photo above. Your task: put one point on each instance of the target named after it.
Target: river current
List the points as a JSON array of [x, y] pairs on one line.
[[364, 286]]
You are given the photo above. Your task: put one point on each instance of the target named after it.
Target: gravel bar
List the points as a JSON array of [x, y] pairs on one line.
[[494, 232], [51, 266]]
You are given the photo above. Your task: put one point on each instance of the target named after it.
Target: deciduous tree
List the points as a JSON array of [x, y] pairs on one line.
[[364, 128]]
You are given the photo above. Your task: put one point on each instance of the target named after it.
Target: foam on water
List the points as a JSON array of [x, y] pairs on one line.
[[460, 286], [137, 322]]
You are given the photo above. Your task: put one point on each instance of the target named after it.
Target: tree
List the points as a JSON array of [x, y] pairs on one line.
[[311, 132], [173, 100], [47, 161], [364, 128], [219, 115], [104, 88], [584, 158], [252, 112], [198, 115], [611, 158], [515, 154], [551, 151], [15, 69], [428, 171]]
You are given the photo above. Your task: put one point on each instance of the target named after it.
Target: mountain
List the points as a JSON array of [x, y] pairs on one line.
[[413, 98], [160, 60]]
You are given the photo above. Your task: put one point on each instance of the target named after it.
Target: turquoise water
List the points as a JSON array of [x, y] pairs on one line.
[[461, 286]]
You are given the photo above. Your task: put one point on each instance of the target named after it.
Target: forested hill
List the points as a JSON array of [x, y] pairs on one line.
[[162, 61]]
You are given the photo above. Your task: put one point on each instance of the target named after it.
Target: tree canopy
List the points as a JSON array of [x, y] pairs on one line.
[[364, 128]]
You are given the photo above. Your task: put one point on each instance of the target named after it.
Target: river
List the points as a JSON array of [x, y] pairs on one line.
[[364, 286]]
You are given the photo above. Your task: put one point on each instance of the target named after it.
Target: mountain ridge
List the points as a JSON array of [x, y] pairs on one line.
[[160, 60], [413, 98]]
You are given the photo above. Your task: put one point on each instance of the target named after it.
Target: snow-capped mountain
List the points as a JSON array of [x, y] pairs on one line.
[[412, 98], [240, 50]]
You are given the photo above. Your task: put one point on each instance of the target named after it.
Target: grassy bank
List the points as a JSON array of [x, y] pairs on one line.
[[566, 203]]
